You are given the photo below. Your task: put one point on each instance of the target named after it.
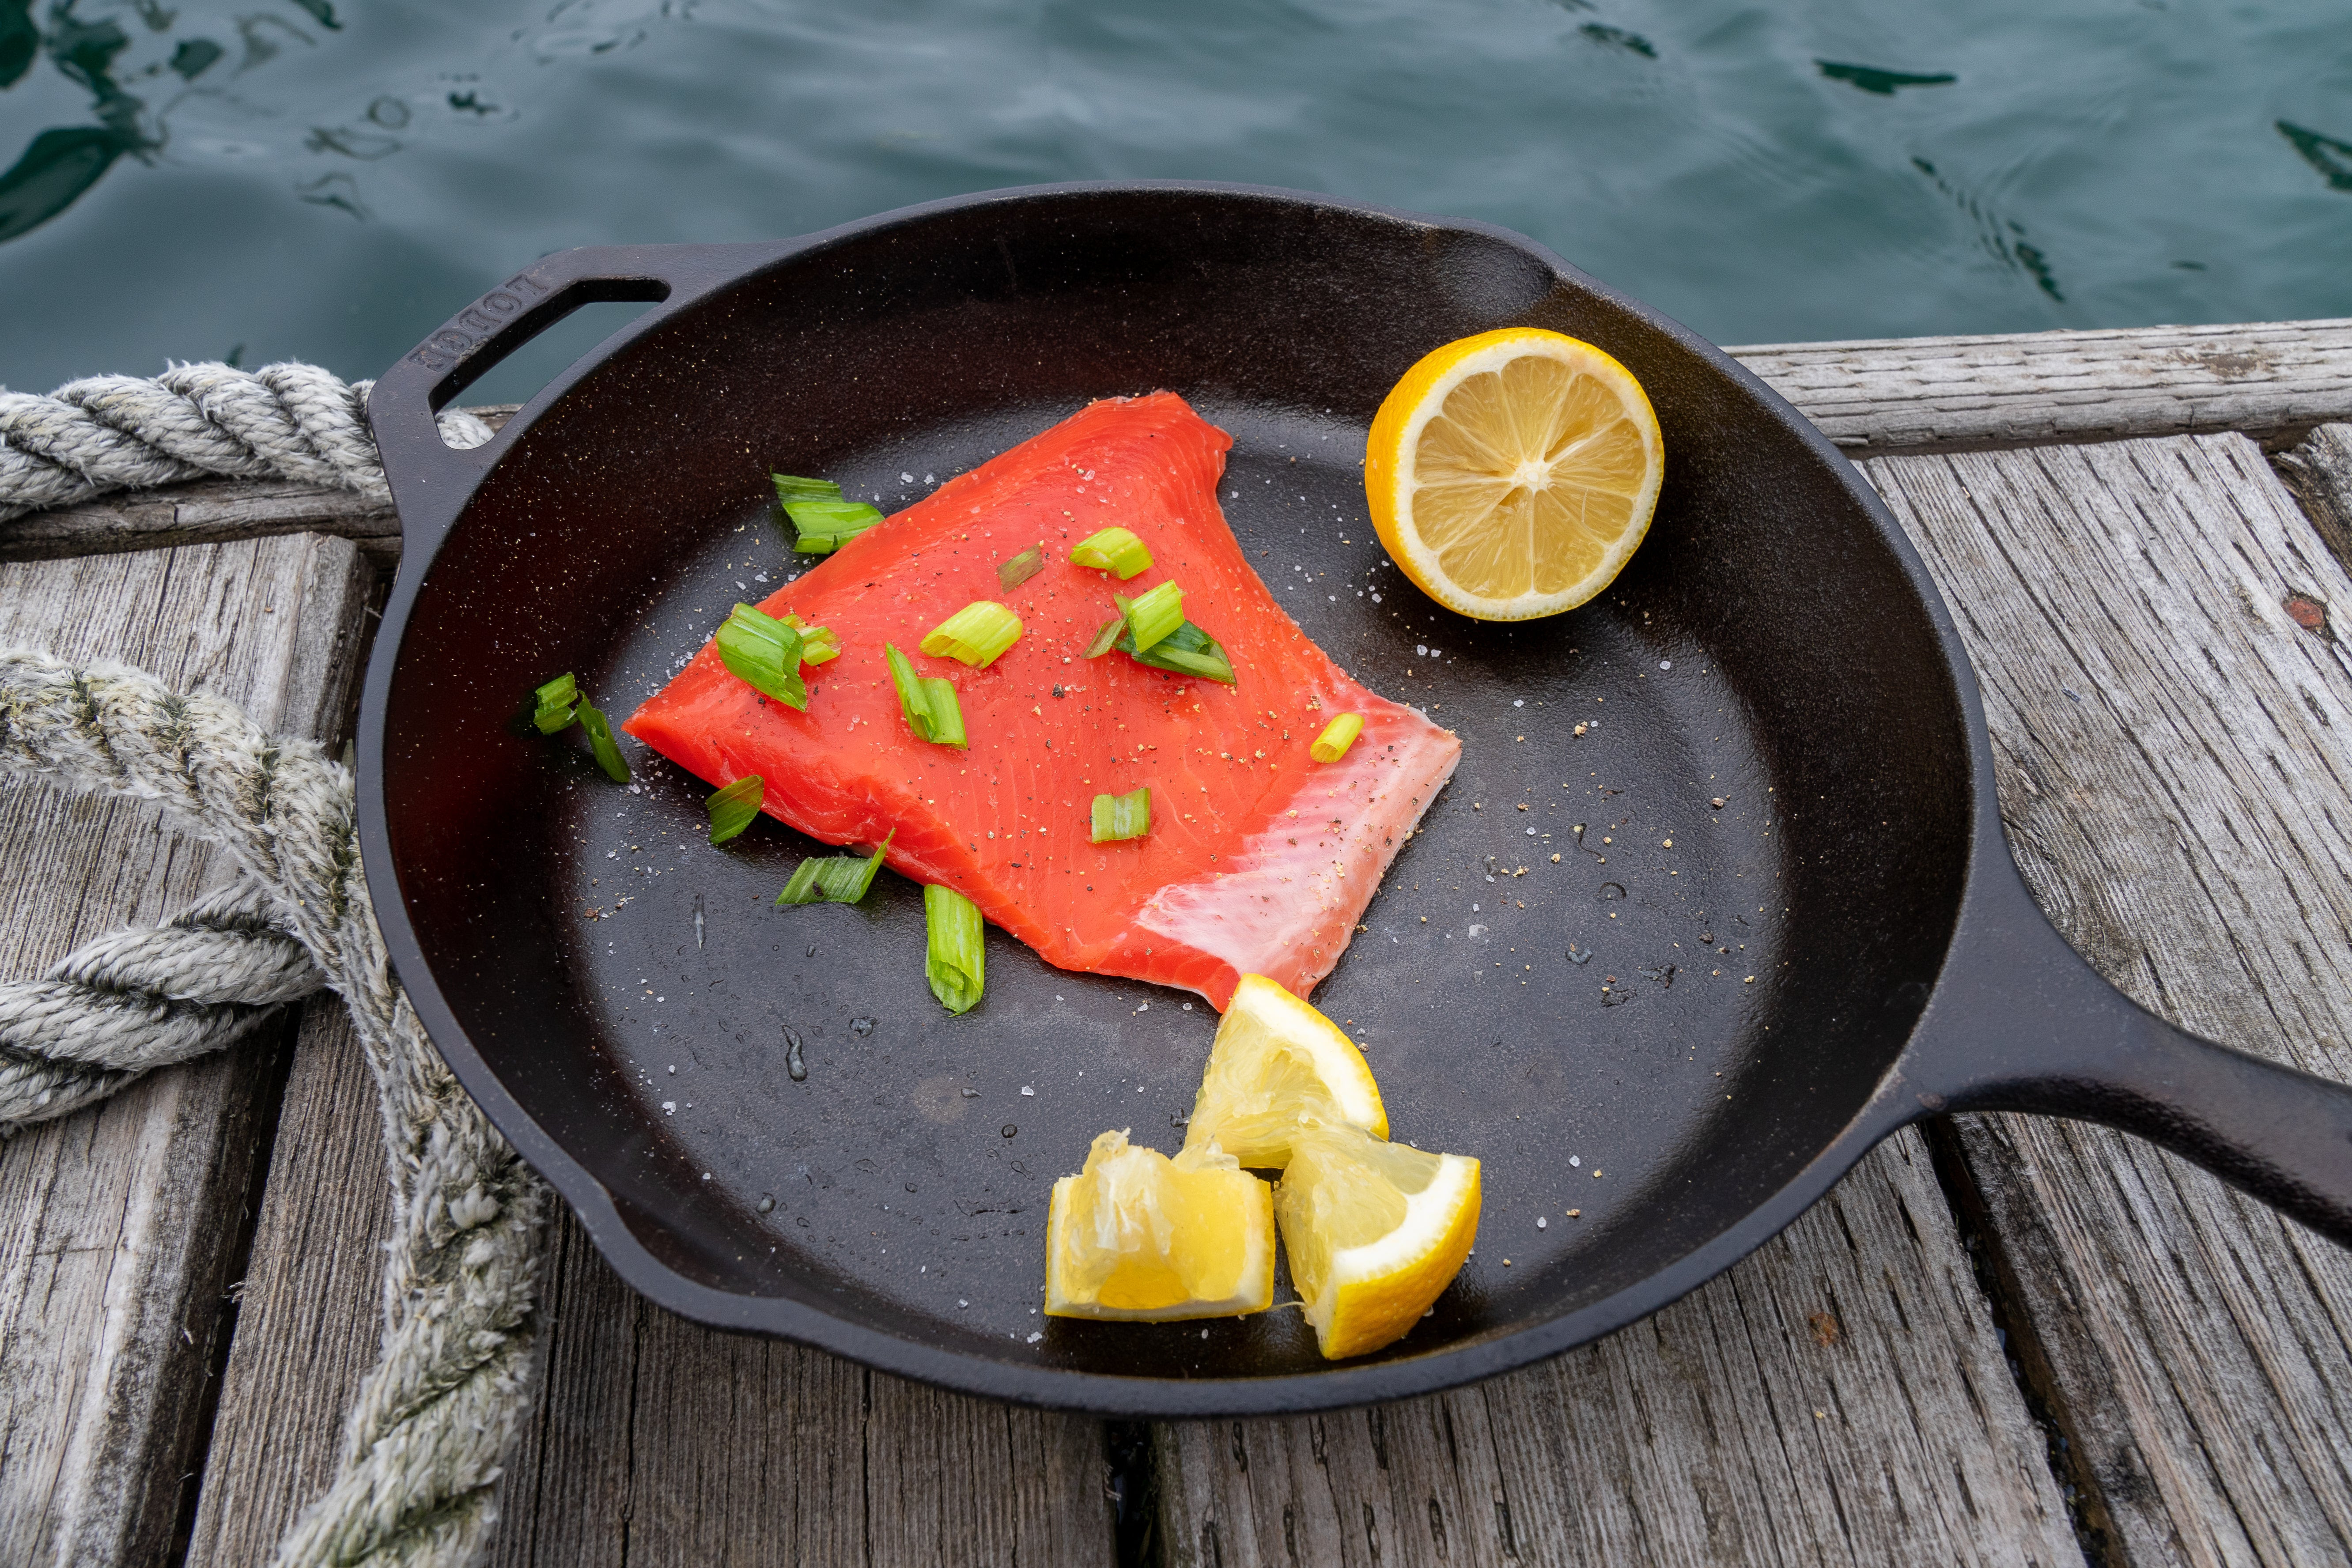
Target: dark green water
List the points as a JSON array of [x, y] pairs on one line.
[[328, 179]]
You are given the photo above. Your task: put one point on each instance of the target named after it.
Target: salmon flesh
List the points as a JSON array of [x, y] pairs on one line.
[[1259, 860]]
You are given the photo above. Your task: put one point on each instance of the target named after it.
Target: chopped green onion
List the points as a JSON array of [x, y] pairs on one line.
[[976, 634], [1337, 737], [558, 704], [554, 703], [833, 879], [600, 736], [826, 520], [764, 653], [927, 701], [956, 960], [1106, 637], [1118, 816], [790, 489], [731, 809], [1152, 614], [1016, 570], [1112, 550], [819, 644], [1187, 650]]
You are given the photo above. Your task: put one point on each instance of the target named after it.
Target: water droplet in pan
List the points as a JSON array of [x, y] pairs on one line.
[[1611, 890], [793, 1062]]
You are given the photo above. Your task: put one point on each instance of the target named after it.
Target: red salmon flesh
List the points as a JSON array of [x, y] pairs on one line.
[[1259, 859]]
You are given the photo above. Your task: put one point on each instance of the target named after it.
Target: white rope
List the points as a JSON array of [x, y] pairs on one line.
[[435, 1420], [135, 1000], [117, 432]]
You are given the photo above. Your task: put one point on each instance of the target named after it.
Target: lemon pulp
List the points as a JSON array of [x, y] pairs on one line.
[[1138, 1235], [1275, 1061]]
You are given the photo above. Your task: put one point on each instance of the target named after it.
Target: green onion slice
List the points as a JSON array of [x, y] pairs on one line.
[[554, 702], [600, 736], [789, 489], [731, 809], [977, 635], [819, 644], [1106, 637], [955, 962], [833, 879], [824, 520], [1152, 616], [1112, 550], [1118, 816], [1187, 650], [1337, 737], [927, 701], [763, 653], [1013, 571]]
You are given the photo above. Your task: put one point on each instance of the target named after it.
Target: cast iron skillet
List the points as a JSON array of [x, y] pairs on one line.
[[631, 1011]]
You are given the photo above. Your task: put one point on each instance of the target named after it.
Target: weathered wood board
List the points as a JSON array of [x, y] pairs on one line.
[[2319, 471], [656, 1440], [1840, 1397], [661, 1442], [2271, 380], [119, 1225], [2175, 757]]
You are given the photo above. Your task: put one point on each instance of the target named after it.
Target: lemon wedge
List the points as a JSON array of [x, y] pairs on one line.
[[1375, 1231], [1512, 474], [1140, 1236], [1275, 1061]]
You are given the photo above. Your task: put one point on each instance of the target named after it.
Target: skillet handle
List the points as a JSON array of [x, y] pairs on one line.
[[431, 481], [2020, 1022]]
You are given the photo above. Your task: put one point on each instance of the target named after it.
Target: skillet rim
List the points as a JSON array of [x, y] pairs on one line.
[[1891, 1105]]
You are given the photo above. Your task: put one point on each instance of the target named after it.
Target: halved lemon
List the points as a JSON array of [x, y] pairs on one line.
[[1376, 1231], [1138, 1235], [1275, 1061], [1512, 474]]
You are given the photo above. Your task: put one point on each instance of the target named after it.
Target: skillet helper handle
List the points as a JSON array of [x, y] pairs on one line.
[[2022, 1023], [432, 481]]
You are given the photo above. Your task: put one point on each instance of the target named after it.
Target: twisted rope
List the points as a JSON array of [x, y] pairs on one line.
[[117, 432], [135, 1000], [432, 1423]]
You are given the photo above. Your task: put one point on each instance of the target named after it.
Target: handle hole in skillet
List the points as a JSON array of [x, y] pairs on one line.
[[519, 364]]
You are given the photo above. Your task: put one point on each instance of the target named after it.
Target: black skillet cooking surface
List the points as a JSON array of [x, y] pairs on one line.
[[1681, 1019]]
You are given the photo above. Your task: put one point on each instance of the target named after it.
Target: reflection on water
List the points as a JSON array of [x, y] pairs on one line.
[[327, 178]]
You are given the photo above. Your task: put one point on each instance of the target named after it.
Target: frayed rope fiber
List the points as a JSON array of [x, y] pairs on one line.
[[434, 1420]]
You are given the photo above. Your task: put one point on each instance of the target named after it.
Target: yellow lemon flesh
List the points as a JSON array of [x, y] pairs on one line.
[[1275, 1061], [1140, 1236], [1375, 1231], [1512, 474]]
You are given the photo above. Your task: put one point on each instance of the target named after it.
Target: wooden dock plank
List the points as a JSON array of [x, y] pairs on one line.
[[2175, 758], [659, 1441], [119, 1225], [2319, 471], [1840, 1397], [310, 1309], [2271, 380]]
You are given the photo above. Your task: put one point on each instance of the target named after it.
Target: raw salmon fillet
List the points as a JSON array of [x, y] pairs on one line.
[[1259, 860]]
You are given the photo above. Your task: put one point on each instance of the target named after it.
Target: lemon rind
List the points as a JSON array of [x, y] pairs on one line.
[[1434, 1218], [1353, 1085]]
